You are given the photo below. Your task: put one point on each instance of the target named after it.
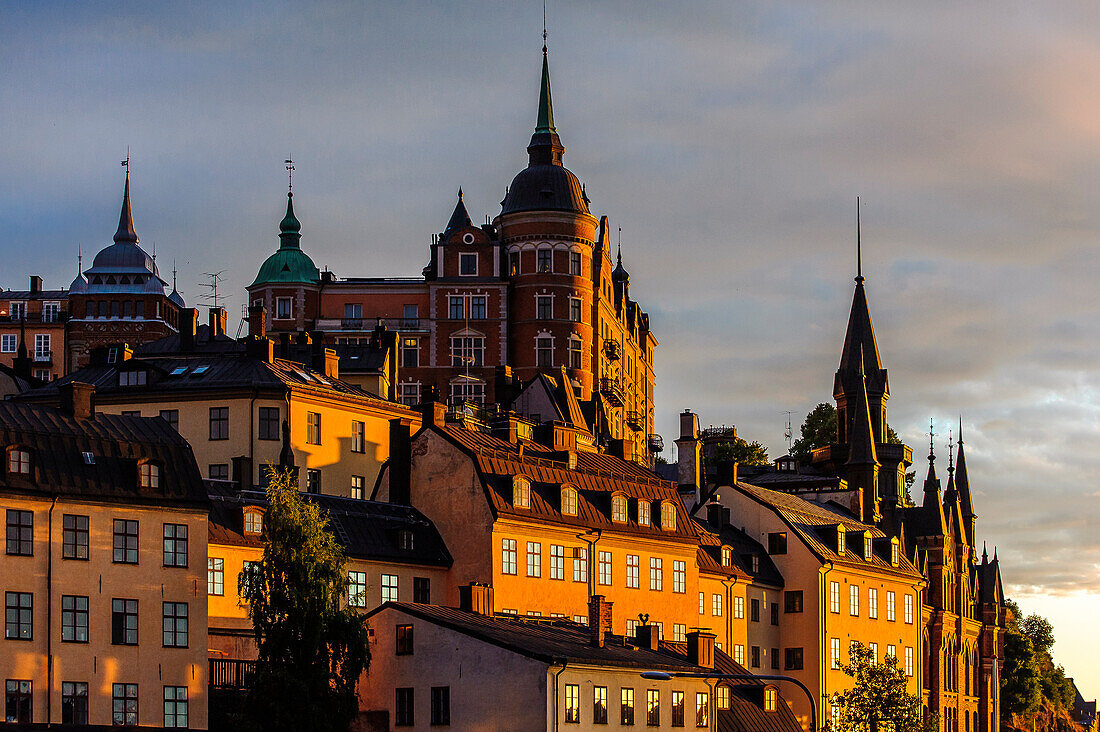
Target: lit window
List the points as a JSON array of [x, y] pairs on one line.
[[580, 564], [716, 605], [909, 609], [357, 487], [908, 661], [894, 552], [873, 647], [771, 699], [149, 474], [605, 568], [739, 654], [313, 428], [679, 576], [668, 516], [253, 522], [727, 556], [633, 563], [840, 540], [853, 600], [357, 589], [834, 597], [534, 559], [569, 501], [872, 603], [702, 709], [508, 556], [644, 508], [656, 574], [834, 653], [626, 716], [572, 704], [389, 588], [739, 608], [890, 613], [557, 562], [403, 643], [215, 576], [410, 353], [618, 508], [867, 548], [521, 493]]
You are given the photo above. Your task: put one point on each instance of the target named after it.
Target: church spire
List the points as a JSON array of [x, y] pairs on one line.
[[126, 231], [290, 229], [545, 121], [937, 520], [545, 147], [962, 484]]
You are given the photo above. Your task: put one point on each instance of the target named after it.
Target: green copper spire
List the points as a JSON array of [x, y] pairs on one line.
[[546, 107], [290, 228]]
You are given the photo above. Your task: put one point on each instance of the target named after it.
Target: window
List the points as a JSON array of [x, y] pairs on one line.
[[580, 564], [575, 264], [149, 475], [410, 314], [8, 343], [890, 606], [569, 501], [410, 394], [557, 562], [422, 590], [834, 654], [771, 699], [853, 600], [739, 608], [702, 709], [775, 658], [74, 536], [283, 309], [124, 622], [313, 428], [677, 709], [618, 508], [908, 661], [792, 659], [357, 487], [777, 542], [410, 353], [656, 574], [792, 601], [702, 603], [219, 423], [632, 570], [18, 615], [722, 697], [605, 568], [253, 522], [456, 307], [357, 589], [834, 597], [599, 704], [20, 532], [175, 706], [175, 625], [626, 708], [50, 311], [873, 647], [403, 640], [441, 705], [644, 508], [467, 265], [716, 605], [727, 556], [175, 545], [269, 423], [572, 704], [679, 576], [17, 701], [353, 314], [215, 576], [894, 552], [739, 654], [668, 516], [545, 260], [534, 559], [754, 610], [131, 378], [909, 609], [313, 480], [867, 547], [74, 619], [477, 307], [389, 588], [892, 652], [872, 603], [467, 351], [19, 461], [521, 493], [468, 390], [544, 351], [575, 352], [125, 541], [575, 309], [172, 417], [403, 709], [754, 656], [74, 702], [508, 556]]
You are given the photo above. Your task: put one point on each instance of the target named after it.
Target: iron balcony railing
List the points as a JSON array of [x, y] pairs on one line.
[[612, 391], [635, 421], [226, 673], [613, 349], [656, 443]]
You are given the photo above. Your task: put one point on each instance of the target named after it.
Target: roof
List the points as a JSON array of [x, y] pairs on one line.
[[460, 218], [289, 264], [28, 295], [815, 523], [58, 443], [744, 549], [596, 477], [860, 349], [366, 529]]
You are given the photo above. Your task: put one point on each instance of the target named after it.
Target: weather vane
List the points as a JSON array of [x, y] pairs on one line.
[[126, 162], [544, 26], [289, 173]]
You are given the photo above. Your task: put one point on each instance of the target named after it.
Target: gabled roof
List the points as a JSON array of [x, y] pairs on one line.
[[744, 548], [559, 393]]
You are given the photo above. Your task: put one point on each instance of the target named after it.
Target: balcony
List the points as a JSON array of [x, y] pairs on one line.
[[368, 323], [231, 673], [612, 349], [656, 443], [635, 421], [612, 391], [43, 356], [35, 318], [351, 323]]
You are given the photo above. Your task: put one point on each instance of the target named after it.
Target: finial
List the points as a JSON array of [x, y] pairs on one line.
[[543, 27], [154, 251], [289, 163], [620, 247], [950, 453], [173, 274], [931, 442], [985, 554], [79, 260], [859, 245]]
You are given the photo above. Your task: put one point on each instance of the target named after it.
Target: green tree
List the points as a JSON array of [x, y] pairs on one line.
[[312, 649], [741, 452], [878, 699], [818, 430], [1021, 691]]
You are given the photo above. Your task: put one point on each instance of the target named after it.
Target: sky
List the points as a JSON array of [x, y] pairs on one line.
[[728, 140]]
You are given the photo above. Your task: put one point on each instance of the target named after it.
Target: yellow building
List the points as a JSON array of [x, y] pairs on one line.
[[105, 607], [233, 398]]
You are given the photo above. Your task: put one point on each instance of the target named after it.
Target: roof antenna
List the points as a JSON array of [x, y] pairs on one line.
[[859, 245], [79, 261], [173, 275], [788, 435]]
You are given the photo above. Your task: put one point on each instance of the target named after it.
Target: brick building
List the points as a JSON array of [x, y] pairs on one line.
[[32, 330]]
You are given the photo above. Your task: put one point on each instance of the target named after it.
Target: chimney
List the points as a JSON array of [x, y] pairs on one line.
[[506, 428], [189, 324], [623, 449], [260, 348], [36, 284], [257, 321], [476, 598], [400, 462], [700, 648], [217, 322], [242, 472], [599, 619], [715, 515], [689, 453], [284, 345], [646, 636], [502, 387], [327, 362], [78, 399], [727, 473], [432, 411]]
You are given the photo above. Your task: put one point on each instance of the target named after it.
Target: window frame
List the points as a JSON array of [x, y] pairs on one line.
[[22, 604], [20, 532], [74, 536], [125, 543], [175, 622], [175, 541]]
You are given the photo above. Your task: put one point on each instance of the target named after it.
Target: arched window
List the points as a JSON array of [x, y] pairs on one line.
[[569, 501], [727, 557], [644, 509], [149, 475], [771, 698], [19, 460], [668, 516], [253, 521], [618, 508], [521, 493], [895, 552]]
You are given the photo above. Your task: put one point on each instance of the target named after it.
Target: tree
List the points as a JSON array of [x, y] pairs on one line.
[[818, 430], [1020, 688], [878, 699], [741, 452], [312, 650]]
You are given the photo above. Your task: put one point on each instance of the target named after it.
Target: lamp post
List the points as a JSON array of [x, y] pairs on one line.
[[663, 676]]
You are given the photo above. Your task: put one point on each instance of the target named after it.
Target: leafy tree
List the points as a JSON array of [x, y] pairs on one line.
[[312, 650], [879, 699], [1039, 630], [818, 430], [739, 451], [1020, 688]]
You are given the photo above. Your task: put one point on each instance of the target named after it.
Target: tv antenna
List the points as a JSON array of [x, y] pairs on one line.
[[788, 435], [212, 297]]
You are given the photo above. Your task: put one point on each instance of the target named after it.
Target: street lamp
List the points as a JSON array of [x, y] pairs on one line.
[[664, 676]]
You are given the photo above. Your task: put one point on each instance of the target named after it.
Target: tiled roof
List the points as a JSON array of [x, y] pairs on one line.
[[813, 523], [744, 548], [366, 529], [596, 477], [115, 443]]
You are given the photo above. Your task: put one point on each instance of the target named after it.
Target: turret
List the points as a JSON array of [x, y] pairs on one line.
[[863, 465]]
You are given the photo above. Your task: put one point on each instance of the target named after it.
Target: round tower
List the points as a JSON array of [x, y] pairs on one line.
[[288, 284]]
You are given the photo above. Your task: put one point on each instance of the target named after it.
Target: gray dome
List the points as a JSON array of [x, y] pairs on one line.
[[545, 188], [79, 285], [123, 257], [176, 298]]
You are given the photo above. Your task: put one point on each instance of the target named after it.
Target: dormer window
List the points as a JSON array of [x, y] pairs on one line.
[[149, 475], [618, 508], [521, 493], [569, 501], [771, 698], [467, 264], [895, 552], [668, 516], [132, 378], [867, 547], [405, 539], [840, 537], [644, 510], [19, 461], [253, 522], [727, 557], [755, 563]]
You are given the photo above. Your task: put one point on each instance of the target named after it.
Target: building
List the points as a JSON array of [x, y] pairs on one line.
[[102, 575], [536, 290], [32, 326], [243, 408], [473, 669]]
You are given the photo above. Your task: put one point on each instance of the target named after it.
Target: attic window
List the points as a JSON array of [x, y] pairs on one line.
[[405, 539], [668, 516], [771, 699], [895, 552], [644, 510], [19, 461], [89, 458], [149, 475], [755, 563], [867, 547], [727, 557], [521, 493], [200, 370], [132, 378], [179, 371], [253, 522], [569, 501], [840, 540], [618, 508]]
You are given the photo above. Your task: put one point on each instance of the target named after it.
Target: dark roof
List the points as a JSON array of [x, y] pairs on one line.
[[545, 188], [58, 441], [28, 295], [460, 218], [744, 548], [366, 529], [859, 349]]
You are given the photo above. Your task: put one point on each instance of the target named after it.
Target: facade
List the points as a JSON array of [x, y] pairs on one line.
[[32, 327], [231, 400], [468, 668], [536, 290], [105, 619]]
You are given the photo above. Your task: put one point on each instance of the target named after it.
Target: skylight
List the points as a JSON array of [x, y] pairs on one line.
[[200, 370], [179, 371], [89, 458]]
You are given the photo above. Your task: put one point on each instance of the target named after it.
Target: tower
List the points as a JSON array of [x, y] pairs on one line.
[[288, 283]]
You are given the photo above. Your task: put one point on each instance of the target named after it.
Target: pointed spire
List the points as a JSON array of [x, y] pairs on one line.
[[545, 147], [962, 483], [862, 440], [460, 218], [932, 506], [985, 554], [126, 231], [545, 121], [290, 228]]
